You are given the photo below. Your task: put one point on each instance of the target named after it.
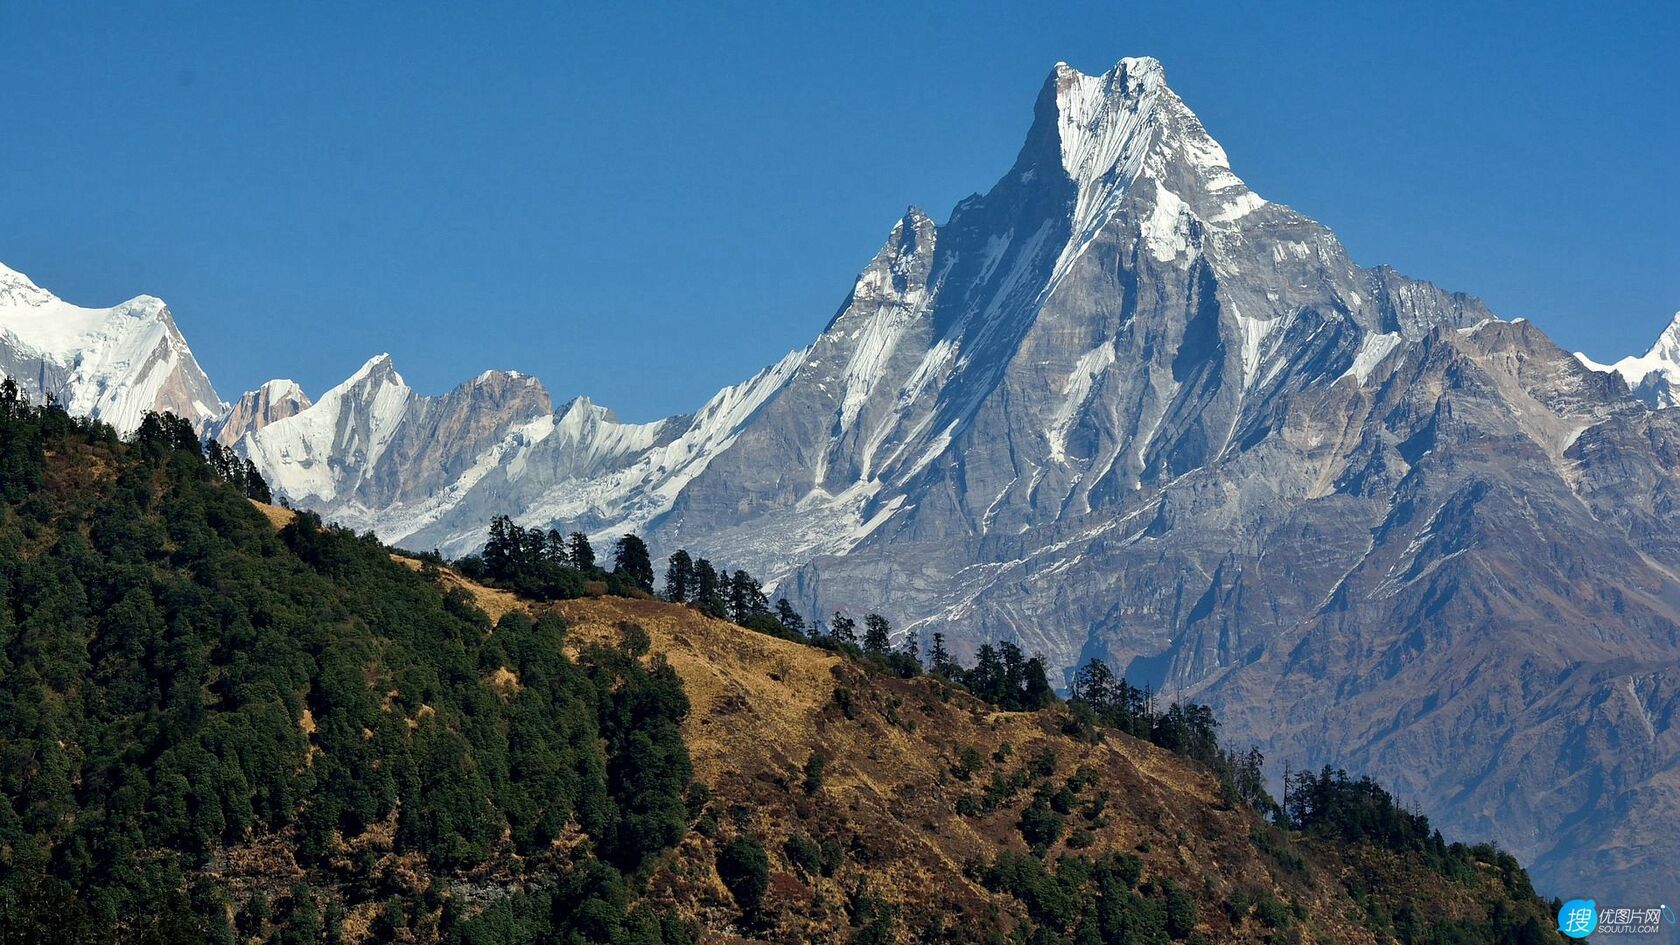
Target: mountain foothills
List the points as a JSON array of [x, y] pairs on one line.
[[1119, 406], [224, 721]]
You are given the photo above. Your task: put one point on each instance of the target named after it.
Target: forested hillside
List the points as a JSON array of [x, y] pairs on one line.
[[216, 729], [211, 731]]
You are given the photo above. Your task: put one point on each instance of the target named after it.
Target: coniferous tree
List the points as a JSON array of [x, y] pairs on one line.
[[302, 924], [1248, 779], [13, 403], [939, 660], [256, 487], [746, 597], [22, 463], [1093, 683], [556, 549], [745, 871], [216, 455], [709, 593], [877, 634], [789, 617], [501, 550], [1014, 665], [679, 577], [986, 678], [1036, 692], [843, 629], [583, 555], [631, 562]]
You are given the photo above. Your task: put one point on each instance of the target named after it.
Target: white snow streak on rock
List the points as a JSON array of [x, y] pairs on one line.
[[1372, 351], [1075, 394]]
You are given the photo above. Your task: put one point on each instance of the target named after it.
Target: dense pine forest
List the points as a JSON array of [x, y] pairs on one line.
[[216, 730]]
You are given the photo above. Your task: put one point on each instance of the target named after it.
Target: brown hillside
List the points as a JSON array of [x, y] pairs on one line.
[[894, 781]]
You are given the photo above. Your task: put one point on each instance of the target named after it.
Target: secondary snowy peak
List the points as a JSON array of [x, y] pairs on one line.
[[317, 453], [581, 412], [283, 390], [113, 364], [889, 296], [1655, 375], [899, 270]]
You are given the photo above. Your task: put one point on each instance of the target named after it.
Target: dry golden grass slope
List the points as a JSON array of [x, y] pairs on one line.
[[278, 516], [892, 786]]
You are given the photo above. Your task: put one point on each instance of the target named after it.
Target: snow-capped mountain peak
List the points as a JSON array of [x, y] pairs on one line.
[[894, 271], [114, 364], [378, 369], [376, 452], [349, 426], [284, 388], [581, 410], [18, 290], [1655, 375], [1669, 344], [1115, 129], [1100, 118]]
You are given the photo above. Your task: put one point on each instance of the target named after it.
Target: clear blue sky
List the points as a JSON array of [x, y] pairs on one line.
[[646, 204]]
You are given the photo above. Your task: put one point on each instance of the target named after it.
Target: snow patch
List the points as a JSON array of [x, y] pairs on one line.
[[1167, 228], [1076, 391], [1254, 333], [1372, 350], [1238, 207]]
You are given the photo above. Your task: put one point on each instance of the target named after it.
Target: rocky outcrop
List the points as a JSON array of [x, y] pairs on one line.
[[275, 400]]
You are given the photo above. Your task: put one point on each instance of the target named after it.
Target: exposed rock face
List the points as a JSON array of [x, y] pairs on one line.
[[275, 400], [1122, 406], [114, 364]]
